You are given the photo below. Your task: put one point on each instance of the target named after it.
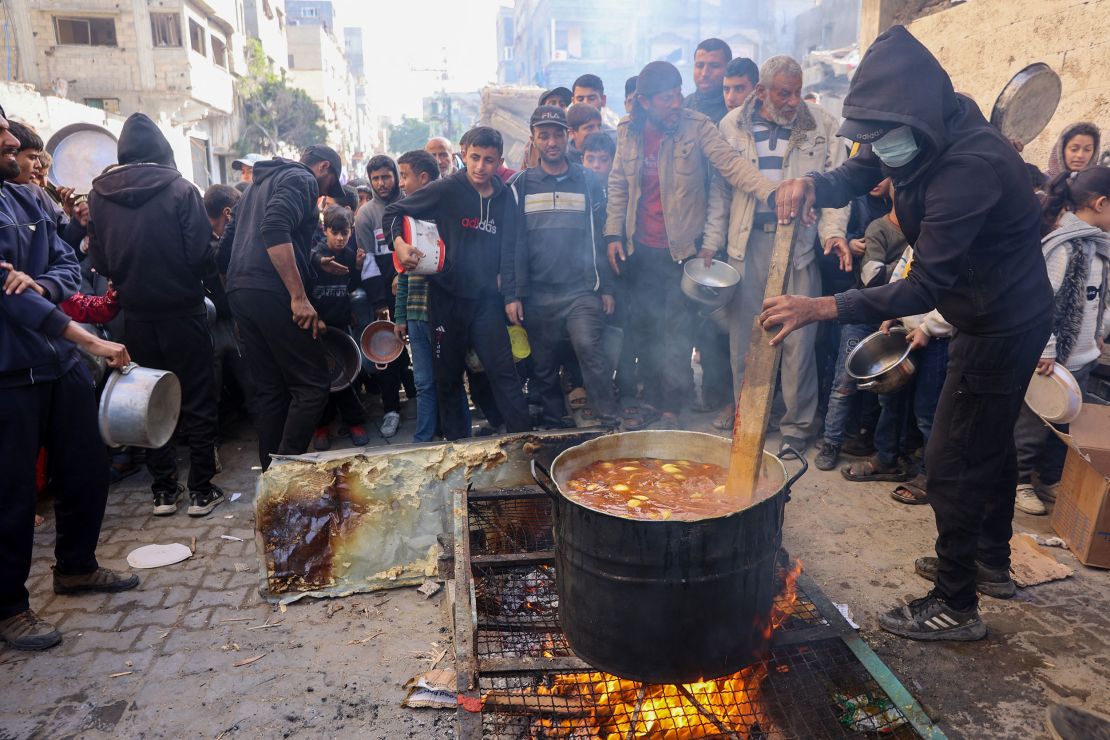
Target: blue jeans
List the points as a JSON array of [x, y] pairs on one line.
[[844, 387], [427, 410], [924, 394]]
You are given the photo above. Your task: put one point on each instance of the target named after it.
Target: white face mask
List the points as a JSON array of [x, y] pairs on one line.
[[896, 147]]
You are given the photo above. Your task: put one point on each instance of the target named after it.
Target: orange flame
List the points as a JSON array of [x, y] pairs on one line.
[[662, 712], [615, 706]]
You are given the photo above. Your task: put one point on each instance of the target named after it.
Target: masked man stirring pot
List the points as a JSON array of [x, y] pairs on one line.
[[965, 207]]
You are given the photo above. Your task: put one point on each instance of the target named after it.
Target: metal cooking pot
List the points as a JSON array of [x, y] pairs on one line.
[[881, 362], [712, 286], [380, 344], [665, 601], [139, 407], [344, 360]]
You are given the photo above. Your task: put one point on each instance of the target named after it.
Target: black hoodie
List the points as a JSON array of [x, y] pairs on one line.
[[964, 201], [472, 229], [278, 208], [148, 231]]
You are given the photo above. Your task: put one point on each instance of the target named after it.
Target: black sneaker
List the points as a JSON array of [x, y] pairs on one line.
[[26, 631], [203, 503], [827, 456], [101, 580], [165, 502], [988, 581], [929, 618]]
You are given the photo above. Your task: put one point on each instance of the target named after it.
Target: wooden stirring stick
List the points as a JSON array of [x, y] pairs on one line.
[[757, 392]]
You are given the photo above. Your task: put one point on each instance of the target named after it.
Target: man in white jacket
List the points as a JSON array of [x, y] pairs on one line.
[[786, 138]]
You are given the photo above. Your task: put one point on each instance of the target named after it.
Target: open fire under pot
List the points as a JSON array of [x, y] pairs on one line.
[[520, 677]]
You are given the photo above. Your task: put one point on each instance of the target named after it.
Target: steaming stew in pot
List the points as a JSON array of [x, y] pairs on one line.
[[650, 488]]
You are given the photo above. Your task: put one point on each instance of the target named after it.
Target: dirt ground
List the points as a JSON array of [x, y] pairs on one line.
[[174, 657]]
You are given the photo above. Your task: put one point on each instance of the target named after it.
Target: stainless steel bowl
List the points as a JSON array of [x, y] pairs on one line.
[[712, 286], [881, 362]]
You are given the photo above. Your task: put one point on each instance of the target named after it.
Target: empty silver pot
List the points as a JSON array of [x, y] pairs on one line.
[[881, 362], [343, 357], [712, 286], [139, 407]]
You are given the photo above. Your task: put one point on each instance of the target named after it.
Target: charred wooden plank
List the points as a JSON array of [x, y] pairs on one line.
[[562, 706], [532, 665], [503, 494], [541, 557], [468, 724]]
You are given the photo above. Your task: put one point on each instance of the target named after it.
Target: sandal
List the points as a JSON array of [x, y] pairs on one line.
[[725, 419], [868, 470], [912, 492], [639, 417], [577, 398]]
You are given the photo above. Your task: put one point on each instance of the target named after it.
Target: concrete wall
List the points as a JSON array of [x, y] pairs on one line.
[[48, 114], [983, 43]]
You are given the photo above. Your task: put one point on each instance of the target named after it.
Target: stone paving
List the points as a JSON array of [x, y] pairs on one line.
[[160, 661]]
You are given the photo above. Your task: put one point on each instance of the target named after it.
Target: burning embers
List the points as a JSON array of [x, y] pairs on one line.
[[611, 707], [604, 706]]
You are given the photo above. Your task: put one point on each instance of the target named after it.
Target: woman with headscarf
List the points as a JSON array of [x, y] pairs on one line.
[[1075, 150]]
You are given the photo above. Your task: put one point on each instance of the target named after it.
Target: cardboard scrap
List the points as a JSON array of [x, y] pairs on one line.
[[429, 589], [432, 690], [1030, 565]]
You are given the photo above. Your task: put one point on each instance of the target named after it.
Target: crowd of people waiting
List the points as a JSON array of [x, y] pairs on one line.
[[583, 249]]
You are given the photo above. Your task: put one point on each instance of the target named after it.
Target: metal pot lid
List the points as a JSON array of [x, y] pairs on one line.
[[81, 152], [717, 275], [1027, 102]]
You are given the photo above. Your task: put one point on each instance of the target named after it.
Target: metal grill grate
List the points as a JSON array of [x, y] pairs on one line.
[[509, 521], [800, 692], [819, 680]]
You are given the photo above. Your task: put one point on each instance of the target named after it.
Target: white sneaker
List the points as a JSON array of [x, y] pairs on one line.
[[1027, 500], [390, 423]]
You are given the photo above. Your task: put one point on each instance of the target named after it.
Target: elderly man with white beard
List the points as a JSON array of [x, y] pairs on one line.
[[786, 138]]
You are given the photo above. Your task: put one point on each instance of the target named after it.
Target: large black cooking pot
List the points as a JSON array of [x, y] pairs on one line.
[[664, 601]]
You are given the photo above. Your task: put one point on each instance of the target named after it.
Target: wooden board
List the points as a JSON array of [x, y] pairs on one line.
[[757, 392]]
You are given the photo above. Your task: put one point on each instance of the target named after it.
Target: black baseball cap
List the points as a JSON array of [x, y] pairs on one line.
[[864, 131], [548, 115], [563, 93], [320, 153]]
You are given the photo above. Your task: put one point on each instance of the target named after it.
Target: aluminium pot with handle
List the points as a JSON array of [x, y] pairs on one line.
[[665, 601], [139, 407], [711, 286], [881, 363]]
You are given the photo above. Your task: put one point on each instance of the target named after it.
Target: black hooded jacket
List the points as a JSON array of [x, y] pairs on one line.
[[964, 201], [472, 229], [278, 208], [148, 231]]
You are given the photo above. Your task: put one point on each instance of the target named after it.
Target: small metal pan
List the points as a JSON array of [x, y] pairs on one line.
[[1027, 103]]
